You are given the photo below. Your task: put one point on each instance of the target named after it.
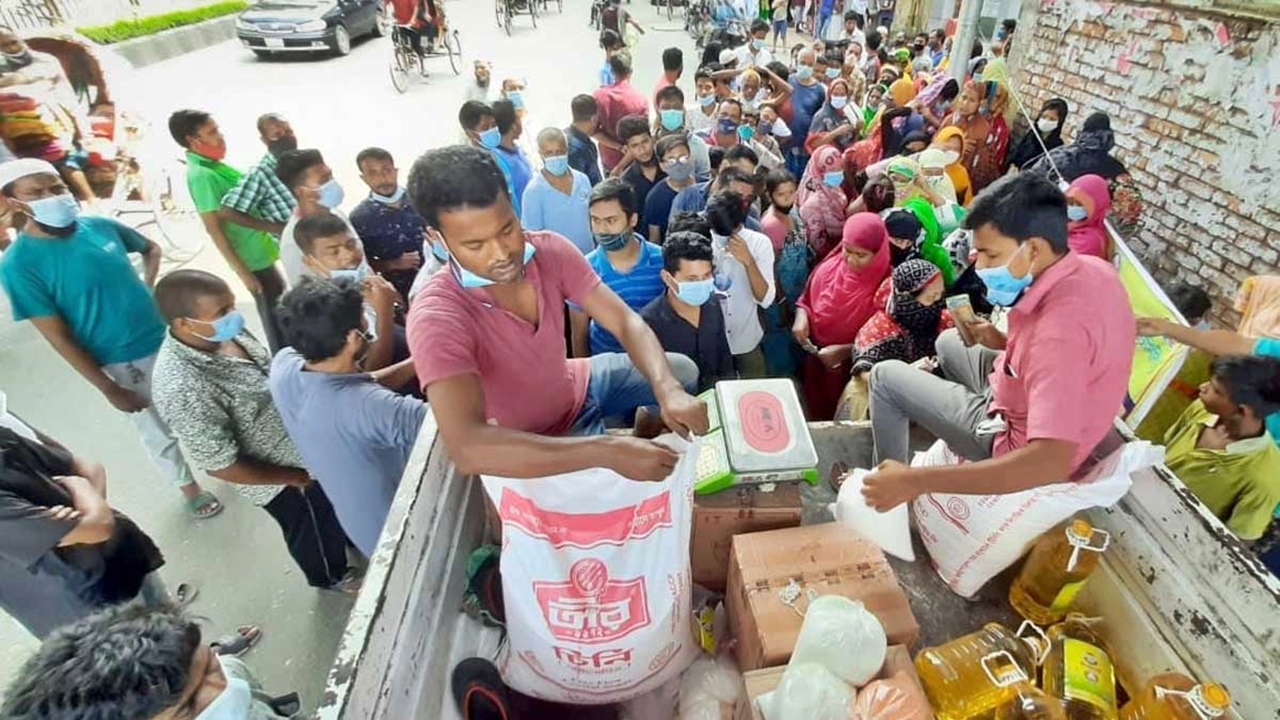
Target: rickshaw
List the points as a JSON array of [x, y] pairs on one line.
[[505, 10], [405, 58]]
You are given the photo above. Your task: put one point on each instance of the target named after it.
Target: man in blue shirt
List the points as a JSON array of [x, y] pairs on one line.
[[807, 96], [72, 278], [584, 156], [353, 431], [388, 225], [556, 198], [625, 262], [510, 127], [481, 129]]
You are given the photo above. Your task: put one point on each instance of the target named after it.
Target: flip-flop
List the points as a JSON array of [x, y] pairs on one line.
[[239, 642], [184, 593], [203, 505], [479, 691]]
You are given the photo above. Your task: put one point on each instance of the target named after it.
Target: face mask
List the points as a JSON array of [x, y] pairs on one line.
[[355, 274], [833, 73], [282, 145], [1046, 126], [1003, 288], [745, 132], [705, 100], [726, 126], [695, 292], [225, 328], [556, 164], [898, 255], [833, 178], [235, 702], [391, 199], [18, 58], [944, 106], [438, 249], [671, 119], [612, 241], [491, 137], [331, 194], [718, 239], [677, 170], [516, 97], [59, 211], [209, 151], [1077, 213], [839, 102], [977, 77], [469, 279], [757, 44], [804, 72]]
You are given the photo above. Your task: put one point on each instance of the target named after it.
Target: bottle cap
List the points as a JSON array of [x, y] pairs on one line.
[[1214, 696]]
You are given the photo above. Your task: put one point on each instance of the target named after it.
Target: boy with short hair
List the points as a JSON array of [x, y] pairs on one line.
[[682, 318]]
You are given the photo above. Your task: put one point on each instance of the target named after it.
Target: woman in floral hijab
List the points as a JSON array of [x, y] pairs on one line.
[[912, 314]]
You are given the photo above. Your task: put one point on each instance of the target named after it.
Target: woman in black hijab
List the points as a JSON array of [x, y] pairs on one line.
[[1053, 116]]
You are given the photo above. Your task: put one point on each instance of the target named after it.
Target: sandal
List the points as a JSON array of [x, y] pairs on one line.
[[203, 505], [238, 643]]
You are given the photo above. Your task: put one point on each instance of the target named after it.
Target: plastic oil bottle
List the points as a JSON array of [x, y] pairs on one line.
[[1030, 703], [1174, 696], [1077, 670], [1056, 570], [971, 676]]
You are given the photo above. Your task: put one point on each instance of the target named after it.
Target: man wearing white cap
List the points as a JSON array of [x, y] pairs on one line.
[[72, 278]]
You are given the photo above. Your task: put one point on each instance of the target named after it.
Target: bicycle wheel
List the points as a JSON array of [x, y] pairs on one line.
[[454, 47], [400, 70], [506, 16]]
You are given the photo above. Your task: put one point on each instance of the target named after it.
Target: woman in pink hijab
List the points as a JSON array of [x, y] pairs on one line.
[[838, 300], [1088, 201], [822, 200]]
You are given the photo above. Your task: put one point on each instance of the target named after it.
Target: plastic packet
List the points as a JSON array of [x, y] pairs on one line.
[[891, 531], [808, 691], [897, 698], [842, 636]]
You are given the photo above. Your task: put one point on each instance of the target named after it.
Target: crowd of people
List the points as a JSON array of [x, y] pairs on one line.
[[815, 216]]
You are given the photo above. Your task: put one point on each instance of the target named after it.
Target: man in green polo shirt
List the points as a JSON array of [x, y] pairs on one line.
[[244, 241]]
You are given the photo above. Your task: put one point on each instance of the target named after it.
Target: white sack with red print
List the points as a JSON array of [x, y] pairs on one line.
[[971, 538], [596, 582]]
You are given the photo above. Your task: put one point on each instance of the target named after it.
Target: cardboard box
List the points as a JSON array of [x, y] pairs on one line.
[[827, 559], [740, 509], [897, 658]]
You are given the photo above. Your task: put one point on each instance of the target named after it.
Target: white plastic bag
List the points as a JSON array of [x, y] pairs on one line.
[[710, 688], [971, 538], [890, 530], [596, 582], [844, 637], [808, 692]]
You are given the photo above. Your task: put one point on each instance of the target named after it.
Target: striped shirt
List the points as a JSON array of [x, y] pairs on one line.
[[639, 285], [260, 193]]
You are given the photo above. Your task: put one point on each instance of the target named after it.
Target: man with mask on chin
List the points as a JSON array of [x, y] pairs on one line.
[[72, 278], [487, 339], [353, 431], [260, 194], [311, 181], [1026, 408], [386, 222]]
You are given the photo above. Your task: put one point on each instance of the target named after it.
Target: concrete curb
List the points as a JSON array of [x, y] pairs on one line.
[[144, 51]]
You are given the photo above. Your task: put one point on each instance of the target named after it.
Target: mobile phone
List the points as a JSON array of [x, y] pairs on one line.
[[810, 348], [962, 312]]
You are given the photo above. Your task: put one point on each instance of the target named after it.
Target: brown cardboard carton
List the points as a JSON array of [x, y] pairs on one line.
[[740, 509], [827, 559], [896, 659]]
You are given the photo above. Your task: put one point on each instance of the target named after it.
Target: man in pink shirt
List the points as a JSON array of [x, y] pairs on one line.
[[487, 339], [1026, 409], [614, 102]]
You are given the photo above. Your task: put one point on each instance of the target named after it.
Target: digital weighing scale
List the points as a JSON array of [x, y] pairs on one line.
[[757, 434]]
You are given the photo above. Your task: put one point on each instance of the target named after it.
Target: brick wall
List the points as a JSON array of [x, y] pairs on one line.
[[1194, 100]]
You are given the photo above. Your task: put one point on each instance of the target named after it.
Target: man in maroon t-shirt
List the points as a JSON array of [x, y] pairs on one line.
[[487, 339], [614, 102]]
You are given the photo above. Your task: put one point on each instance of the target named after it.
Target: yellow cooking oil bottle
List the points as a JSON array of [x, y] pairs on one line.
[[969, 677], [1174, 696], [1031, 703], [1056, 570], [1077, 670]]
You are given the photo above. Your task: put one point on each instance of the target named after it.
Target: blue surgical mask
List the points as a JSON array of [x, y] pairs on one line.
[[610, 242], [469, 279], [757, 43], [556, 164], [833, 178], [355, 274], [838, 102], [439, 250], [1077, 213], [233, 703], [1003, 288], [491, 138], [833, 73], [391, 199], [225, 328], [745, 132], [705, 100], [331, 194], [516, 97], [671, 119], [804, 72], [59, 211], [695, 292]]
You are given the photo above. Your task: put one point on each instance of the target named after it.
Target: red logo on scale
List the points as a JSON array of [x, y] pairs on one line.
[[764, 424], [590, 607]]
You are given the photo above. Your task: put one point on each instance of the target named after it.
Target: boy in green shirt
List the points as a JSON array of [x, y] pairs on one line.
[[1220, 446], [244, 241]]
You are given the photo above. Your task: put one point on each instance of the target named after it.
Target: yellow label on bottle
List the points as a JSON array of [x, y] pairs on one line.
[[1088, 675], [1066, 596]]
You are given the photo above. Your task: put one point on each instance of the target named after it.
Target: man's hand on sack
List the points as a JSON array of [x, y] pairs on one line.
[[639, 459], [890, 485]]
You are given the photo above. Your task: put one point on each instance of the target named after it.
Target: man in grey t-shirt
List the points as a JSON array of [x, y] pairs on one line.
[[354, 433]]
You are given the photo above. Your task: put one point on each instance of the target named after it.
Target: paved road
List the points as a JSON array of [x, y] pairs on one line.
[[339, 105]]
